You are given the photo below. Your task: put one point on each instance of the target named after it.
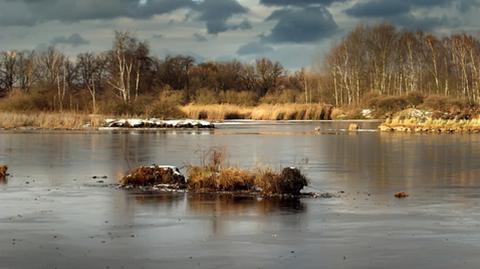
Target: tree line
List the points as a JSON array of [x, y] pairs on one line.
[[379, 59], [386, 60], [128, 72]]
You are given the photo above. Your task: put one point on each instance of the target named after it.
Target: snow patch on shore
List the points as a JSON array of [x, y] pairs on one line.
[[156, 123]]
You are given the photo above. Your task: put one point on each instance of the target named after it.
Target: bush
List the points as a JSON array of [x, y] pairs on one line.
[[166, 106], [213, 175], [289, 181], [447, 104], [383, 104], [281, 97], [115, 106], [241, 98], [206, 96], [415, 98], [18, 101]]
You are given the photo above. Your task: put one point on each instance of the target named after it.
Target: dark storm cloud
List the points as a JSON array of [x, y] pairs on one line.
[[385, 8], [216, 13], [254, 48], [29, 12], [74, 40], [301, 25], [400, 12], [297, 2], [378, 9]]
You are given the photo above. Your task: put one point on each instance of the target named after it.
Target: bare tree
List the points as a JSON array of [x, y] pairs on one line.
[[91, 70]]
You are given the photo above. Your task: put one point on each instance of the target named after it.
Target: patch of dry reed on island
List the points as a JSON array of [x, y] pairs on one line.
[[261, 112], [215, 175], [45, 120], [414, 125]]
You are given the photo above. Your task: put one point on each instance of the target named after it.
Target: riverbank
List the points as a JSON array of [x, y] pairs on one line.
[[81, 121], [422, 121], [50, 120]]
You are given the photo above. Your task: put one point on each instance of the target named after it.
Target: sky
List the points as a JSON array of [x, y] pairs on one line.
[[296, 33]]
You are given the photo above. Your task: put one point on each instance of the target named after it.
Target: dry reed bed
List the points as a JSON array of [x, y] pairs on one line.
[[261, 112], [431, 125], [45, 120], [214, 175]]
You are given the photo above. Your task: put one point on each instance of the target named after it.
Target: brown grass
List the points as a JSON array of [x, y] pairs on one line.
[[151, 175], [44, 120], [261, 112], [216, 112], [289, 181], [214, 175], [431, 125]]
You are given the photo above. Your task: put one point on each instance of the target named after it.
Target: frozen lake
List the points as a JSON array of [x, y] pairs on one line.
[[55, 215]]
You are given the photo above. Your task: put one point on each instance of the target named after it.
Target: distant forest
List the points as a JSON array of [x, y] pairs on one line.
[[370, 60]]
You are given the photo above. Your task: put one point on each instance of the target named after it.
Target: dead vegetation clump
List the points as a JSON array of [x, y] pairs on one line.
[[401, 195], [214, 175], [45, 120], [154, 175], [3, 170], [226, 179], [3, 174], [289, 181]]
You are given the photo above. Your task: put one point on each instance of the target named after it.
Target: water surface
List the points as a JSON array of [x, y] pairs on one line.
[[54, 214]]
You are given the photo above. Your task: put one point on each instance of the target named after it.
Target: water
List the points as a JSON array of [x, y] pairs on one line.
[[54, 214]]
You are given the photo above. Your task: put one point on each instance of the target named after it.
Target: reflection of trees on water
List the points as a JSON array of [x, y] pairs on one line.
[[404, 161]]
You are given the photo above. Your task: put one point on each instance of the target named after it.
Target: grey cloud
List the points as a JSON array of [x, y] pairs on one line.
[[254, 48], [378, 8], [385, 8], [38, 11], [74, 40], [199, 37], [297, 2], [426, 23], [215, 13], [399, 12], [301, 25]]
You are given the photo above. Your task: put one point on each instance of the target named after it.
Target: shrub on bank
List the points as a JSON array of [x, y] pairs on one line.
[[240, 98], [448, 104], [281, 97], [19, 101], [166, 106]]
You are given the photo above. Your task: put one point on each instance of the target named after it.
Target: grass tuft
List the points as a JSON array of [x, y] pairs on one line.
[[214, 175], [261, 112], [44, 120]]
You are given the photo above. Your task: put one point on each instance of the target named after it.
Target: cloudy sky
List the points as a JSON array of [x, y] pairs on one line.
[[293, 32]]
